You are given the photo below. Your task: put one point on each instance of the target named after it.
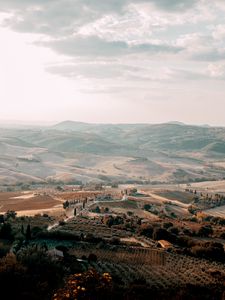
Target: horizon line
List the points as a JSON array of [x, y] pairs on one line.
[[38, 123]]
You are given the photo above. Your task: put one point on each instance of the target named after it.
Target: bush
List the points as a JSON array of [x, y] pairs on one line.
[[58, 235], [92, 257], [31, 275], [222, 236], [4, 249], [209, 250], [6, 231], [92, 239], [185, 241], [167, 225], [173, 230], [160, 234], [10, 214], [146, 230], [89, 285], [205, 231], [35, 231]]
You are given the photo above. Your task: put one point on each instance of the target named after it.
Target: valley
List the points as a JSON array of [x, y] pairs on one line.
[[73, 152], [139, 207]]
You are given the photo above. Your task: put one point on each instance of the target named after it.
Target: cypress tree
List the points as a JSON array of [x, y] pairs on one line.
[[28, 232]]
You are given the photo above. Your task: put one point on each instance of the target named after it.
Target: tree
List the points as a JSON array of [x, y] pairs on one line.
[[209, 250], [28, 232], [97, 210], [43, 273], [173, 230], [22, 229], [92, 257], [167, 225], [59, 188], [66, 204], [147, 207], [205, 231], [146, 230], [6, 231], [2, 219], [11, 277], [35, 231], [160, 234], [10, 214]]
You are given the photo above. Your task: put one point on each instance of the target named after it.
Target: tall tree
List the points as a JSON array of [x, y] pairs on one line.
[[28, 232]]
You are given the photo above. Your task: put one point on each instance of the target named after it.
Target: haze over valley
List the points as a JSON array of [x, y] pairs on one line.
[[112, 153]]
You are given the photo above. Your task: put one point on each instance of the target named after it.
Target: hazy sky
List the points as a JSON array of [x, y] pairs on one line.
[[113, 60]]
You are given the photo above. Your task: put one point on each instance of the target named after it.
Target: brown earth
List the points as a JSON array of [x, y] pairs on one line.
[[20, 202]]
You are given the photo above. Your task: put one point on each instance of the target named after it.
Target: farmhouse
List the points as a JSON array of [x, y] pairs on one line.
[[165, 244]]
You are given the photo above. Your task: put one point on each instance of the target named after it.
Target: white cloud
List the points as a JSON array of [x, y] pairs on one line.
[[217, 70], [219, 32], [80, 56]]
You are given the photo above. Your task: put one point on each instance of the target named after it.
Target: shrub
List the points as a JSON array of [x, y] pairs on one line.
[[92, 257], [173, 230], [209, 250], [146, 230], [10, 214], [160, 234], [4, 249], [167, 225], [205, 231], [6, 231], [222, 236], [89, 285]]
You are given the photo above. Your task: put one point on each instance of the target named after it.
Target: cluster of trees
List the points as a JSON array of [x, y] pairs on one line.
[[205, 201], [30, 274], [185, 239], [99, 210], [202, 217], [112, 220], [7, 232], [159, 233], [209, 250]]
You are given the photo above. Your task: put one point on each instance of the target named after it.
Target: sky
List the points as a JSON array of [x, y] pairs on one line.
[[115, 61]]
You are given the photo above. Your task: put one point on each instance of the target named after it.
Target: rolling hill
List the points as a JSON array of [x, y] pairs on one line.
[[69, 151]]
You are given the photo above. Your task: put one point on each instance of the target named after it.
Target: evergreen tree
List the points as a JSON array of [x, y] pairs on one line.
[[22, 229], [28, 232]]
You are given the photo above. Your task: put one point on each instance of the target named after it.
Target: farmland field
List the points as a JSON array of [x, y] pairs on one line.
[[216, 212], [183, 197], [158, 269], [26, 201]]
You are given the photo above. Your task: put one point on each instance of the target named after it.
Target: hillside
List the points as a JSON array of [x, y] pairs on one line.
[[71, 151]]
